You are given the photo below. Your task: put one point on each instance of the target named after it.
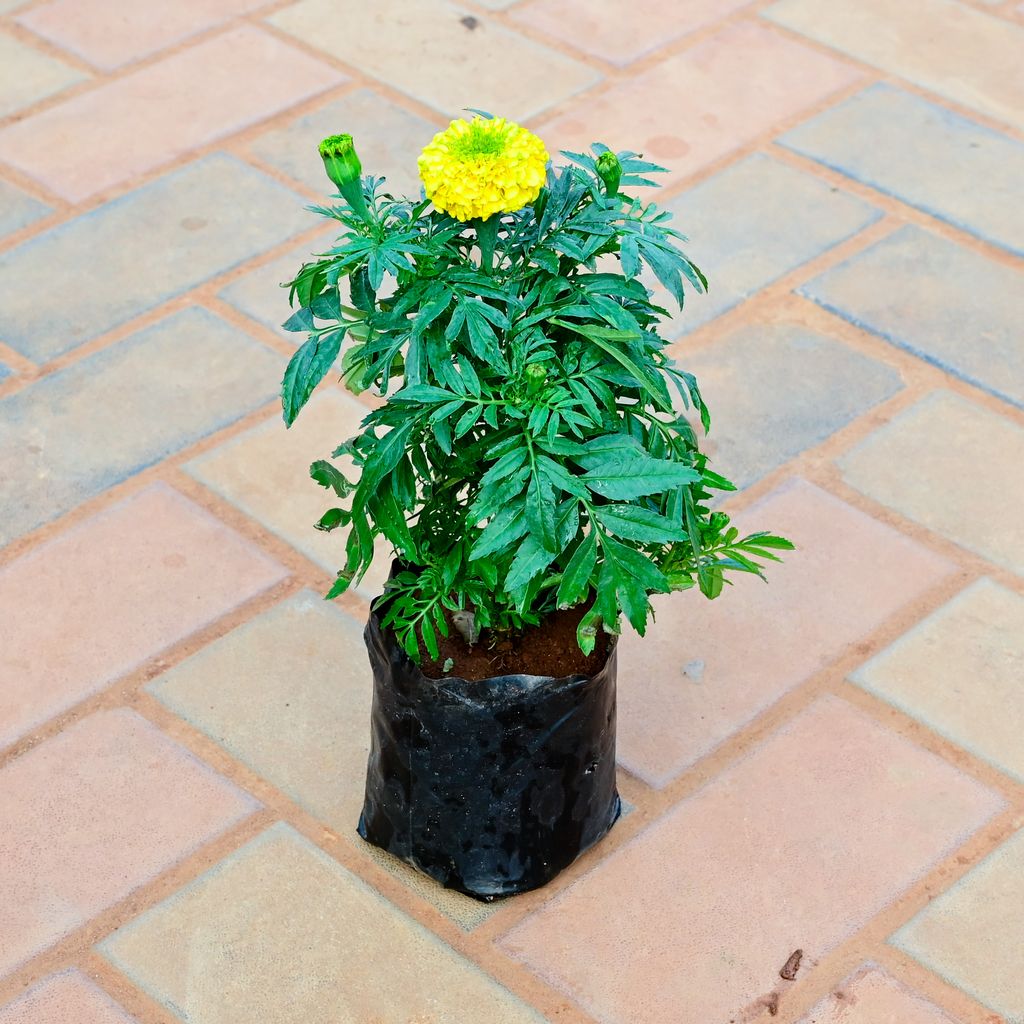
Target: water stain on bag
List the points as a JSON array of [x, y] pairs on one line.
[[492, 786]]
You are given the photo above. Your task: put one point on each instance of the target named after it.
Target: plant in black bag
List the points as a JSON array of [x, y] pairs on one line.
[[533, 468]]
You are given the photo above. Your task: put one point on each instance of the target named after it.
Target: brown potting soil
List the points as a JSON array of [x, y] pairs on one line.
[[548, 649]]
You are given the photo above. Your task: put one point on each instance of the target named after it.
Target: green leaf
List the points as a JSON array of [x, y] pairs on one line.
[[339, 586], [540, 511], [332, 519], [305, 370], [625, 475], [327, 475], [575, 583], [631, 522], [603, 337], [300, 320]]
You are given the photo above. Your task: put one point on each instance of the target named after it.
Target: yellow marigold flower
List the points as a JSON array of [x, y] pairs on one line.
[[474, 169]]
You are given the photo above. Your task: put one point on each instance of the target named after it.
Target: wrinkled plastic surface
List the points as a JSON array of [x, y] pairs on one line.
[[491, 787]]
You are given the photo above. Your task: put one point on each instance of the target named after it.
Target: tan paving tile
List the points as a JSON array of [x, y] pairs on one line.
[[705, 102], [192, 232], [112, 591], [311, 740], [27, 75], [66, 998], [619, 32], [959, 671], [200, 373], [109, 33], [389, 139], [90, 815], [440, 54], [743, 374], [692, 920], [281, 932], [707, 668], [952, 49], [265, 472], [870, 996], [972, 934], [952, 466], [235, 67]]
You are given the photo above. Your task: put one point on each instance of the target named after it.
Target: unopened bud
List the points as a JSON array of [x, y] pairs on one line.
[[536, 377], [610, 171], [340, 160]]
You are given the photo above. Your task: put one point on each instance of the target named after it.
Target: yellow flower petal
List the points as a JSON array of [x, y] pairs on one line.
[[475, 169]]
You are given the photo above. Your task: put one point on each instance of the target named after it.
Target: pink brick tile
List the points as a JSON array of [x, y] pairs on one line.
[[700, 104], [871, 997], [67, 998], [706, 668], [92, 814], [619, 32], [136, 123], [109, 33], [795, 847], [111, 592]]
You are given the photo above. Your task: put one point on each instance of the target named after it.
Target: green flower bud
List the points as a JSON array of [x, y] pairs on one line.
[[341, 160], [610, 171], [536, 378]]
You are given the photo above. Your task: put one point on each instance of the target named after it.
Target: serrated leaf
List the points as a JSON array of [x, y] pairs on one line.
[[575, 582], [631, 522], [305, 370], [327, 475]]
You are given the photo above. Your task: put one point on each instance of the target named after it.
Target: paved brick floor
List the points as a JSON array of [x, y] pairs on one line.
[[833, 763]]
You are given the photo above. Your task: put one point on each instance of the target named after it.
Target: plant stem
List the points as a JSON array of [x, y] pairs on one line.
[[487, 235]]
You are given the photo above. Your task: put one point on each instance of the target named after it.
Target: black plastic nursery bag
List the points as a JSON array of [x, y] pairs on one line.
[[491, 787]]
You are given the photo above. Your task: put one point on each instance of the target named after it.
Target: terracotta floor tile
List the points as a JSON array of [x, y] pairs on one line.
[[963, 54], [619, 32], [870, 996], [707, 668], [972, 934], [199, 372], [265, 472], [281, 932], [895, 289], [193, 232], [109, 33], [737, 83], [924, 155], [742, 375], [118, 588], [795, 847], [440, 54], [66, 998], [252, 74], [913, 463], [959, 671], [90, 815], [27, 75]]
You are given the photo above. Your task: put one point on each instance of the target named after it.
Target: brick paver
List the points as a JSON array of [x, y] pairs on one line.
[[68, 997], [925, 155], [779, 218], [896, 289], [123, 803], [692, 681], [872, 997], [830, 762], [100, 599], [177, 381], [279, 931], [230, 66], [701, 911]]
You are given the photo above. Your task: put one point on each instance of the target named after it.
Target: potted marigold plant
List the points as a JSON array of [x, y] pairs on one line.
[[534, 471]]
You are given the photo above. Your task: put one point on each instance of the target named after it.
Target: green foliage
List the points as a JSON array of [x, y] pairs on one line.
[[534, 450]]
